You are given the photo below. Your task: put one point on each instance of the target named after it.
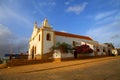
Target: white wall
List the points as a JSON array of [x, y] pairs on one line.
[[36, 43], [101, 47], [58, 54], [69, 40], [67, 55], [48, 44]]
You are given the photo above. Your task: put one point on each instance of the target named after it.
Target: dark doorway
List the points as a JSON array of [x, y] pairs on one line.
[[33, 53], [75, 54], [109, 52]]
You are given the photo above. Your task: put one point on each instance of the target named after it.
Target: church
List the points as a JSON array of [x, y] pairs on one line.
[[45, 37]]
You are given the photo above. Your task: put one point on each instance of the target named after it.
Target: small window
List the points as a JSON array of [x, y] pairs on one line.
[[48, 37], [73, 43], [39, 37], [103, 50], [98, 50]]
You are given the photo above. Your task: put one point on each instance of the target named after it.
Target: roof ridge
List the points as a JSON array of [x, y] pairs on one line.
[[72, 35]]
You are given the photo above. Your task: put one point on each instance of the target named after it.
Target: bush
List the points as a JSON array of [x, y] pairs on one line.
[[83, 49], [63, 47]]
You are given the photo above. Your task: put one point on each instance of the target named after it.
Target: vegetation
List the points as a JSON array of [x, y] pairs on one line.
[[63, 47], [83, 49]]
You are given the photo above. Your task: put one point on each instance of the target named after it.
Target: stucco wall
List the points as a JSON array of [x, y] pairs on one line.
[[48, 44], [36, 43], [67, 55], [70, 40]]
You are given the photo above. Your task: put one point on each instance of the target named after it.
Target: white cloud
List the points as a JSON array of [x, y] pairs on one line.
[[104, 15], [105, 20], [77, 9], [4, 30], [68, 2], [42, 6], [9, 42], [108, 18], [5, 35], [107, 31]]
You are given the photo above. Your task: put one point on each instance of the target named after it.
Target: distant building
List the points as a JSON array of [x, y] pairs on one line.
[[118, 49], [45, 37], [110, 45]]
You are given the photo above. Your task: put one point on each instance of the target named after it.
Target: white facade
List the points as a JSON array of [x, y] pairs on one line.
[[47, 44], [41, 41], [45, 37]]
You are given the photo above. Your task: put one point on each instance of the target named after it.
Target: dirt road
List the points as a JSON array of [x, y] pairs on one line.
[[107, 68]]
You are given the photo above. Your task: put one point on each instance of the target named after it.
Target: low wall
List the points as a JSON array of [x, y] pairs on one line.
[[58, 56], [67, 55], [19, 62]]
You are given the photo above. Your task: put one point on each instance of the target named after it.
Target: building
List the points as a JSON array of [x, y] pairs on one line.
[[45, 37]]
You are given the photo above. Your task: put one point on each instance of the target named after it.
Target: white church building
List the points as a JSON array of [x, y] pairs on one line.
[[45, 37]]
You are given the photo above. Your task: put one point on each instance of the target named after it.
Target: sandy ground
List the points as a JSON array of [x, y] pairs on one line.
[[107, 68]]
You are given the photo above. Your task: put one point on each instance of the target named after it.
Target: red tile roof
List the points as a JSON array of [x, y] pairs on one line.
[[72, 35]]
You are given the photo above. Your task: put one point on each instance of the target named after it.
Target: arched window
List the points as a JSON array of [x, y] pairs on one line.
[[48, 37], [39, 37]]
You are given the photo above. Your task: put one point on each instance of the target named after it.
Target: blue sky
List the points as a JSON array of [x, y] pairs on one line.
[[99, 19]]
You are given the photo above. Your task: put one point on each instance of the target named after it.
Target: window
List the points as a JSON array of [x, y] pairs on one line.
[[48, 37], [103, 50], [98, 50], [39, 37], [73, 43]]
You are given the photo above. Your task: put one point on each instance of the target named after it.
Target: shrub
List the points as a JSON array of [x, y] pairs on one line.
[[83, 49], [63, 47]]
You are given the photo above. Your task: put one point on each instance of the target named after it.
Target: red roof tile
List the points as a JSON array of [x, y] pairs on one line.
[[72, 35]]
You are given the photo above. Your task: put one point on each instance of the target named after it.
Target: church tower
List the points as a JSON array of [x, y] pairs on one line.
[[48, 37], [41, 41]]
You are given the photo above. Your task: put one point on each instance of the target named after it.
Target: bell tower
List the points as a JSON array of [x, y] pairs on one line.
[[48, 37]]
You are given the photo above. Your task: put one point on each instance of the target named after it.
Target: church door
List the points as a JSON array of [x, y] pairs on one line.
[[33, 53]]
